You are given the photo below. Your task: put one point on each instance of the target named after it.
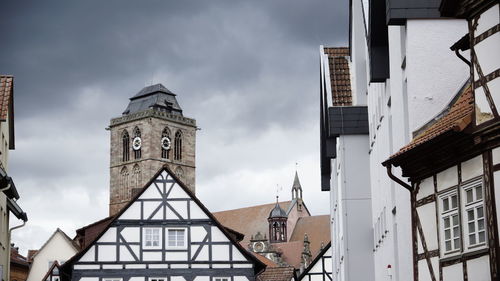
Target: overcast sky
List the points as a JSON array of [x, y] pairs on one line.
[[247, 71]]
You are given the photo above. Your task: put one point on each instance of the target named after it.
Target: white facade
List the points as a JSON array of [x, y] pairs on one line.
[[424, 76], [164, 234], [350, 210], [57, 248]]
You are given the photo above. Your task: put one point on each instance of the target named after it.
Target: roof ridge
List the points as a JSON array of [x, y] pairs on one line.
[[254, 206]]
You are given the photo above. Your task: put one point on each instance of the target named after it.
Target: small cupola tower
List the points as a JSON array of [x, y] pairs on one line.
[[297, 191], [277, 224]]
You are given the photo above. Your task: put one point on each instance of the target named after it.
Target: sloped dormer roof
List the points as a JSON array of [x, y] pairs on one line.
[[340, 77], [155, 96]]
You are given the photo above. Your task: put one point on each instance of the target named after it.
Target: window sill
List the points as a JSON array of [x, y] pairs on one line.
[[465, 255]]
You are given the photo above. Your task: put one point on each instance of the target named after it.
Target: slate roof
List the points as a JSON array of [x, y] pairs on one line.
[[340, 78], [277, 274], [277, 212], [155, 96], [455, 118]]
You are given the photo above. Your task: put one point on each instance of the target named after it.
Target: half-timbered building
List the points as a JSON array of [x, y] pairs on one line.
[[320, 268], [453, 163], [164, 234]]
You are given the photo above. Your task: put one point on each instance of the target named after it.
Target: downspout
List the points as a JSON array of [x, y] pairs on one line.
[[5, 188], [396, 179], [18, 226], [462, 57]]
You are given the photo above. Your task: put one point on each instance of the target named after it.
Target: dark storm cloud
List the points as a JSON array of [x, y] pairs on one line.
[[246, 70]]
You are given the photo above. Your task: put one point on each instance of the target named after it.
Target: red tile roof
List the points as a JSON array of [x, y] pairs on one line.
[[317, 229], [17, 258], [340, 77], [277, 274], [456, 118], [249, 220], [6, 95]]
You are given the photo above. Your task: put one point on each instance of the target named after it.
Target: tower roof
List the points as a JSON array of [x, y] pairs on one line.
[[296, 182], [277, 211], [155, 96]]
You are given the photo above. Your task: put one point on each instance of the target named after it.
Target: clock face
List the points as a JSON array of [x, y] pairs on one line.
[[165, 143], [136, 143], [259, 247]]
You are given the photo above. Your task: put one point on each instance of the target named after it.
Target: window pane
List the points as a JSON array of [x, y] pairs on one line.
[[446, 204], [456, 233], [479, 193], [472, 227], [455, 220], [454, 201], [148, 243], [480, 224], [448, 245], [469, 196], [447, 222], [482, 237], [472, 239], [470, 215], [456, 243], [447, 234], [480, 212]]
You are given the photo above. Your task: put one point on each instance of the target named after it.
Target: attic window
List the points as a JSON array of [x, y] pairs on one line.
[[169, 104]]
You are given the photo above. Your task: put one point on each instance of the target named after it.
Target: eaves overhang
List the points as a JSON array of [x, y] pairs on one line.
[[16, 210]]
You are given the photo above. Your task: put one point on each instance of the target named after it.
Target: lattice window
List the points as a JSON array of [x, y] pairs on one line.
[[125, 146], [474, 221], [178, 146], [152, 238], [450, 222]]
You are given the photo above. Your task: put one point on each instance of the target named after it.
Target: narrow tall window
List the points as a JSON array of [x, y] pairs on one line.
[[176, 238], [450, 222], [125, 146], [137, 147], [178, 146], [475, 232], [137, 176], [165, 144], [123, 188]]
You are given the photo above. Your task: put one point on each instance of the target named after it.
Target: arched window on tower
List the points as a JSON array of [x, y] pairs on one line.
[[124, 186], [137, 146], [125, 146], [165, 144], [137, 176], [178, 146]]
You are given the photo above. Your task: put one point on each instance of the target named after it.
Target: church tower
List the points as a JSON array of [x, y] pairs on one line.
[[297, 191], [151, 132]]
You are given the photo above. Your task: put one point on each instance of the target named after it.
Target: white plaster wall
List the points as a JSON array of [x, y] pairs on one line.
[[447, 178], [453, 273], [359, 76], [472, 168], [434, 72], [58, 248], [479, 269], [496, 180]]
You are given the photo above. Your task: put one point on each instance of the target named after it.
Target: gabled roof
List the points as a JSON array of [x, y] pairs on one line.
[[86, 235], [258, 265], [18, 259], [58, 230], [277, 274], [340, 77], [315, 260], [55, 264], [7, 104]]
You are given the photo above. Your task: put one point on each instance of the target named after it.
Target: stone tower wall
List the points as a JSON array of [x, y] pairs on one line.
[[151, 125]]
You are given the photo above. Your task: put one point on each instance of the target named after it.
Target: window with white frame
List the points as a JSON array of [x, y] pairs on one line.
[[462, 218], [151, 238], [221, 278], [450, 222], [176, 238], [157, 279], [473, 214], [112, 279]]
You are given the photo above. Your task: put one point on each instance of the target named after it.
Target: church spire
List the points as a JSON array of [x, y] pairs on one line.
[[296, 188]]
